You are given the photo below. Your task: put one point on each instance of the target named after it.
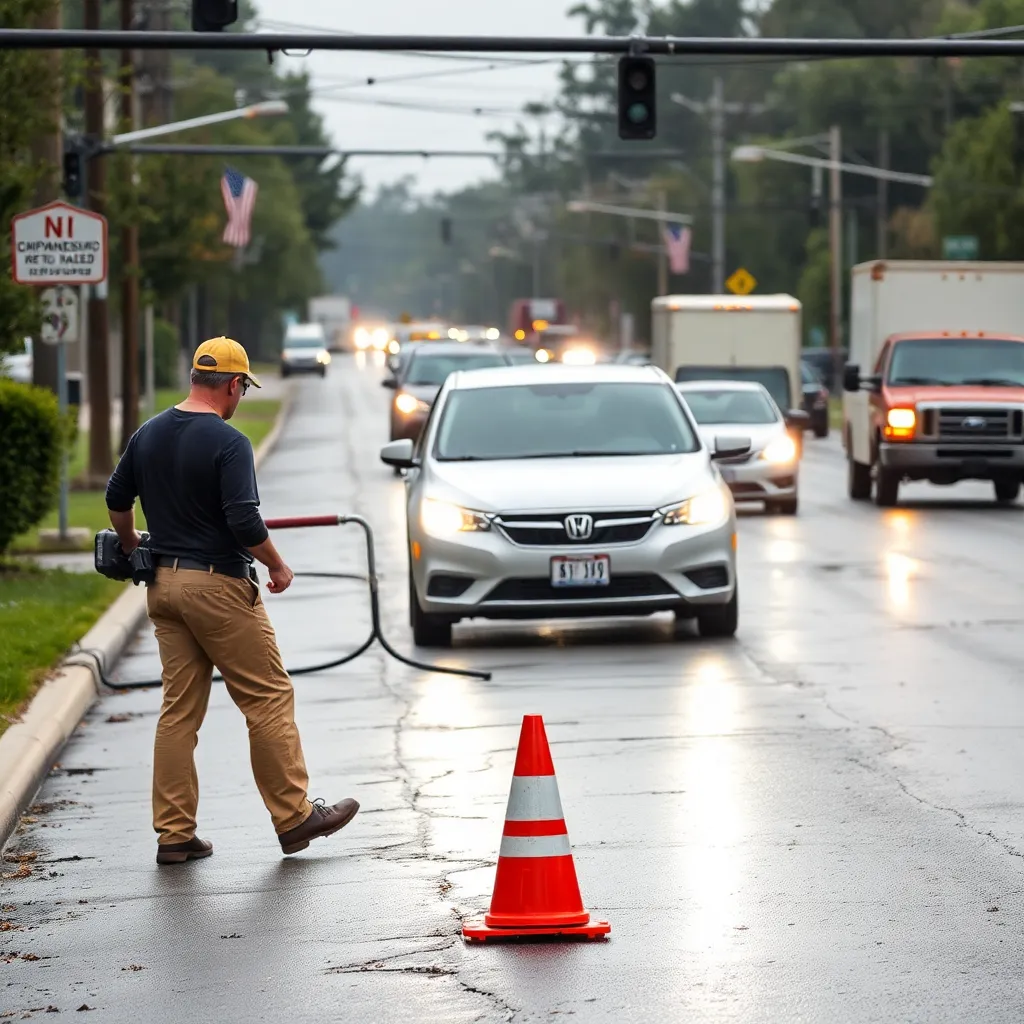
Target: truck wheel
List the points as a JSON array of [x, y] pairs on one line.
[[1007, 490], [427, 630], [720, 620], [858, 479], [887, 488]]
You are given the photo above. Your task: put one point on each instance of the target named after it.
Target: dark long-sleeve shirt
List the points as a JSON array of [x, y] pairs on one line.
[[195, 477]]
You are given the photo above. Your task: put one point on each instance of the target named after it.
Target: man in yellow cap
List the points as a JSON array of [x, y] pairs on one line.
[[196, 479]]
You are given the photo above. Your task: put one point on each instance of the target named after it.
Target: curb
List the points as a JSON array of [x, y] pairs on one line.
[[29, 748]]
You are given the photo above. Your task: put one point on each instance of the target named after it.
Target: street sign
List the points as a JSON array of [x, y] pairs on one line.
[[960, 247], [60, 315], [742, 282], [59, 244]]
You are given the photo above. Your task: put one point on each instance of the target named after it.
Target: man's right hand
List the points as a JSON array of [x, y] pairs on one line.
[[280, 579]]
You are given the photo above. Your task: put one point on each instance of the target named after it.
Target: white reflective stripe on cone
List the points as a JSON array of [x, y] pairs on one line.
[[535, 846], [534, 798]]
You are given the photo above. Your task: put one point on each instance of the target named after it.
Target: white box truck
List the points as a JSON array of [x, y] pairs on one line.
[[934, 389], [334, 314], [705, 337]]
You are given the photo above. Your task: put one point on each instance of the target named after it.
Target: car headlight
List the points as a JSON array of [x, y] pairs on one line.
[[408, 404], [361, 338], [542, 355], [323, 357], [705, 509], [780, 451], [442, 519], [393, 347], [380, 338], [900, 424], [578, 357]]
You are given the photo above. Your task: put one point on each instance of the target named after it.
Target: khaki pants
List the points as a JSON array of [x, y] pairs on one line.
[[205, 619]]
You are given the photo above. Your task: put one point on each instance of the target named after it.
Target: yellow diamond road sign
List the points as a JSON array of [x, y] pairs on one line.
[[742, 282]]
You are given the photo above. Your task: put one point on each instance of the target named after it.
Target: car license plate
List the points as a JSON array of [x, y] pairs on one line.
[[580, 571]]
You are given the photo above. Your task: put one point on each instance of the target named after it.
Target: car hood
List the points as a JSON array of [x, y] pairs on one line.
[[758, 433], [424, 392], [556, 485], [914, 394]]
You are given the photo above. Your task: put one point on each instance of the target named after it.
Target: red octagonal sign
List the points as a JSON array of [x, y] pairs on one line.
[[59, 244]]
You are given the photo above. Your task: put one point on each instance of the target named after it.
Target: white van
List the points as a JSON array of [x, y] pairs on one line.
[[304, 350]]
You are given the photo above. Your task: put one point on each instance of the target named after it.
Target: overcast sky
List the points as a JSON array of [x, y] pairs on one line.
[[352, 122]]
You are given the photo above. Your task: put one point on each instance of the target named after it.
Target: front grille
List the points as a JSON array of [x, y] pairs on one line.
[[710, 577], [547, 530], [984, 423], [746, 488], [442, 585], [540, 590]]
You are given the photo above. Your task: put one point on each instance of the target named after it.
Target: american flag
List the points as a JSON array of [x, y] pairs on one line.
[[677, 241], [239, 194]]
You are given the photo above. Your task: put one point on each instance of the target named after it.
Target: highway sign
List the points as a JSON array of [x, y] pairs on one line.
[[59, 244], [742, 282], [60, 315]]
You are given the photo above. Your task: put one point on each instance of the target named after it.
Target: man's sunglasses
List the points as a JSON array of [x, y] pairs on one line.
[[245, 385]]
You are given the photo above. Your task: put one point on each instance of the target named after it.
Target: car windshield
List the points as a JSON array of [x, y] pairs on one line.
[[426, 368], [304, 342], [563, 420], [774, 378], [954, 361], [714, 407]]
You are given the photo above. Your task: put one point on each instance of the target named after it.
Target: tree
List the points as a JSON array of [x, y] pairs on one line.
[[24, 86]]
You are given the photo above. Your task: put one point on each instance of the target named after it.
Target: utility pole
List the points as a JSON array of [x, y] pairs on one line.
[[882, 226], [129, 258], [48, 151], [718, 188], [100, 463], [662, 251], [836, 248], [717, 108]]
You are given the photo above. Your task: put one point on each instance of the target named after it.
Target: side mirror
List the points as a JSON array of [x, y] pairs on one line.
[[399, 454], [730, 447], [389, 382], [851, 377], [797, 419]]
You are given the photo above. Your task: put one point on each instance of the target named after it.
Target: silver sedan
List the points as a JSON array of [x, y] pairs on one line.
[[546, 491], [770, 471]]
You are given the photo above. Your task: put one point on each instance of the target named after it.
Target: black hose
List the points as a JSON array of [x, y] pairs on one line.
[[376, 633]]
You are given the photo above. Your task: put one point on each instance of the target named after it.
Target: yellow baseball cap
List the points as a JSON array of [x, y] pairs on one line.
[[223, 355]]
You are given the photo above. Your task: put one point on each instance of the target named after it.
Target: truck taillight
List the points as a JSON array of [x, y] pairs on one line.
[[900, 424]]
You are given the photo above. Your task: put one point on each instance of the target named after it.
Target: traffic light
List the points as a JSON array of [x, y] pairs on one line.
[[73, 174], [446, 230], [213, 15], [638, 116]]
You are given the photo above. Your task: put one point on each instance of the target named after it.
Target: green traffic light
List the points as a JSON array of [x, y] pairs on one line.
[[638, 113]]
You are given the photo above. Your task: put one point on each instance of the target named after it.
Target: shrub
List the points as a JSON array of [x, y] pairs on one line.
[[32, 436]]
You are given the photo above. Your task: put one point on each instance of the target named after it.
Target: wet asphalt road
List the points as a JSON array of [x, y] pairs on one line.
[[820, 821]]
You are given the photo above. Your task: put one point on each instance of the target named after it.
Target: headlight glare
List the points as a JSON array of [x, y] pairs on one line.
[[361, 338], [408, 404], [579, 357], [780, 451], [442, 519], [705, 509]]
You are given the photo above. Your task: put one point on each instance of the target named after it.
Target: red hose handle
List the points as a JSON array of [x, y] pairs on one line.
[[292, 522]]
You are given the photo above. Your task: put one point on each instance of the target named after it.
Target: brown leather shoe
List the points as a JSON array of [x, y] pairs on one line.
[[323, 821], [178, 853]]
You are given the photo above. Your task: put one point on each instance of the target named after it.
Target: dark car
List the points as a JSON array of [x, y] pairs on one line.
[[820, 361], [815, 399], [424, 372]]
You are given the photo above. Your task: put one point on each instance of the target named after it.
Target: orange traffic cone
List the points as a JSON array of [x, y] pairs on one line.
[[535, 891]]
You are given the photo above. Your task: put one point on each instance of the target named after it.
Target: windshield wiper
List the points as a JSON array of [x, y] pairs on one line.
[[995, 382]]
